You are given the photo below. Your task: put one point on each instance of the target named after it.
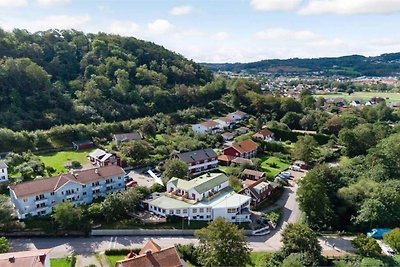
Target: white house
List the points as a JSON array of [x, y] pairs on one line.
[[225, 122], [207, 127], [37, 197], [356, 103], [237, 115], [203, 198], [3, 172]]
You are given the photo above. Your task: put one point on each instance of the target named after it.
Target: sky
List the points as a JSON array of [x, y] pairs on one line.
[[225, 30]]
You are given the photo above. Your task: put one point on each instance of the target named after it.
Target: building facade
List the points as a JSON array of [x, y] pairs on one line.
[[199, 160], [246, 149], [38, 197], [206, 197], [207, 127], [3, 172]]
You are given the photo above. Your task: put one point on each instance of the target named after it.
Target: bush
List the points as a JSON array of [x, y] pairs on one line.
[[76, 164], [121, 251], [392, 238], [366, 246], [369, 262], [188, 253], [273, 216]]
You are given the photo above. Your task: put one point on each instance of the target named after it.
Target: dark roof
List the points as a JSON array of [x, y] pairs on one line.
[[2, 165], [197, 155], [54, 183], [128, 136]]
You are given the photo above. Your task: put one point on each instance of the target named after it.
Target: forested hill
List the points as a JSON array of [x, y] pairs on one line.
[[55, 77], [383, 65]]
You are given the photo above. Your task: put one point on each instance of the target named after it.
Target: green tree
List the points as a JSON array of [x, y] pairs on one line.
[[392, 238], [298, 238], [137, 151], [305, 148], [366, 246], [293, 260], [7, 220], [222, 244], [4, 245], [175, 168], [149, 127], [68, 216], [369, 262], [112, 207]]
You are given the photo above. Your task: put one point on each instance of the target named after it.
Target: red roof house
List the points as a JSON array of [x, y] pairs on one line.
[[245, 149]]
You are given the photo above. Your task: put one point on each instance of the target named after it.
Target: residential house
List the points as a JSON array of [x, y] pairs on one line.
[[225, 122], [245, 149], [152, 255], [3, 172], [356, 103], [200, 160], [83, 144], [242, 130], [101, 158], [207, 127], [30, 258], [265, 135], [206, 197], [238, 115], [252, 174], [225, 160], [258, 190], [125, 137], [37, 197], [241, 161], [227, 136]]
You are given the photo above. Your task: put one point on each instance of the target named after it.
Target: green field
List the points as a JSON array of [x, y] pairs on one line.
[[389, 97], [112, 259], [63, 262], [271, 172], [58, 159]]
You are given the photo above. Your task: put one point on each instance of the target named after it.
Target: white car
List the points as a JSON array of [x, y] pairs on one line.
[[295, 168], [262, 231]]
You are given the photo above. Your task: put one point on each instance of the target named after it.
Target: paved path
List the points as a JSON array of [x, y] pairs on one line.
[[86, 260]]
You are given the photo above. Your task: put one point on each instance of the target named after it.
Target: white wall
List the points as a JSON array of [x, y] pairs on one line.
[[3, 175]]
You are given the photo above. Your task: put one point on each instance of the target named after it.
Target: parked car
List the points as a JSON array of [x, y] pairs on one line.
[[378, 232], [295, 168], [262, 231], [287, 174], [282, 176]]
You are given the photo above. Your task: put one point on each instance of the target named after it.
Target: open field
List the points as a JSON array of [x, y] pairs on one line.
[[278, 166], [63, 262], [58, 159], [389, 97]]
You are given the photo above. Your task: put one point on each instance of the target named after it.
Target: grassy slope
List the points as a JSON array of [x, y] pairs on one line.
[[272, 172], [390, 97], [58, 159]]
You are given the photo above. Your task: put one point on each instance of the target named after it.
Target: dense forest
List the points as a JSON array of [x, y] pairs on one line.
[[355, 65], [55, 77]]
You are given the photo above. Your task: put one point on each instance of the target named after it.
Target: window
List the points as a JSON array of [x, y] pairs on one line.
[[52, 194], [171, 212], [208, 209], [201, 210], [194, 210], [83, 186], [84, 193], [231, 210], [178, 211], [185, 211], [25, 200]]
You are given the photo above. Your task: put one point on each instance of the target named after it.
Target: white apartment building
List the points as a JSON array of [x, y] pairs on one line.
[[3, 172], [36, 198], [206, 197]]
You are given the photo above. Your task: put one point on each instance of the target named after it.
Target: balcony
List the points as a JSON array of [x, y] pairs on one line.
[[205, 164], [42, 200]]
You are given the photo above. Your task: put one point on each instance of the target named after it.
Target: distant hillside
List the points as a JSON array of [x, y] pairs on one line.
[[383, 65], [55, 77]]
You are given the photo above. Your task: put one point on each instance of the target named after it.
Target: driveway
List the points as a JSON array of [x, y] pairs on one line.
[[142, 179]]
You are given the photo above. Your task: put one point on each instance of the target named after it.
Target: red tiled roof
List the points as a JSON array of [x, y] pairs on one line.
[[34, 258], [245, 146], [150, 245], [264, 132], [226, 119], [253, 172], [240, 160], [54, 183], [226, 158], [209, 124]]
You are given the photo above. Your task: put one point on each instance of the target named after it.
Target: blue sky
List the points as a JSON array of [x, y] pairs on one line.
[[225, 30]]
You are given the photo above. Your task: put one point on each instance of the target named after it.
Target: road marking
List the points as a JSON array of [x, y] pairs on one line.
[[111, 241], [115, 241]]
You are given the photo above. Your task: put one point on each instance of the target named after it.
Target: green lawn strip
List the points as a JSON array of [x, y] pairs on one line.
[[256, 259], [112, 259], [271, 172], [62, 262], [58, 159]]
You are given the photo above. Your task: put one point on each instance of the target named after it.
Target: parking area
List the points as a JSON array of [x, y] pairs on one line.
[[143, 179]]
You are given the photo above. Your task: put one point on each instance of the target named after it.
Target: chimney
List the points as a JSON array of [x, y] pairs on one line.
[[96, 171], [148, 252], [12, 259], [42, 258]]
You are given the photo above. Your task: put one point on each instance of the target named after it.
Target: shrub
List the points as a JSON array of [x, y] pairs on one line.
[[76, 164], [366, 246], [392, 238], [273, 216], [121, 251], [188, 253]]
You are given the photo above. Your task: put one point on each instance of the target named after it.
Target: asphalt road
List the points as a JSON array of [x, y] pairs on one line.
[[66, 245]]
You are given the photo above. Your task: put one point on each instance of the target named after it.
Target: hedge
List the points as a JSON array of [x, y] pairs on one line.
[[121, 251]]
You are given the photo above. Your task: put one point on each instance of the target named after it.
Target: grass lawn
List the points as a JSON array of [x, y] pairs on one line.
[[58, 159], [112, 259], [273, 171], [256, 258], [389, 97], [63, 262]]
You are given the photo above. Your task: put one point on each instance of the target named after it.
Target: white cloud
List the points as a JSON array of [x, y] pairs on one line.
[[60, 22], [275, 5], [124, 28], [220, 36], [160, 26], [51, 3], [181, 10], [13, 3], [386, 41], [349, 7], [281, 34]]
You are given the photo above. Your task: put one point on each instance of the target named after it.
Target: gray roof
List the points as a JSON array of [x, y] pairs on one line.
[[128, 136], [2, 165], [202, 183], [197, 155]]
